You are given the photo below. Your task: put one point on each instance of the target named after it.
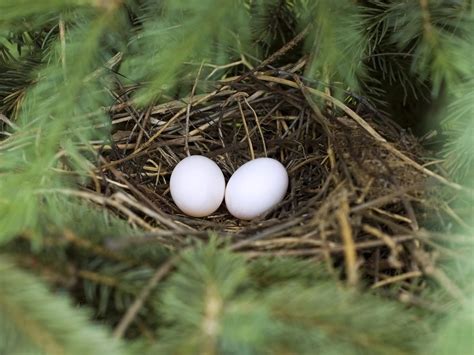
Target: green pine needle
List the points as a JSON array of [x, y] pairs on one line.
[[34, 321], [213, 307]]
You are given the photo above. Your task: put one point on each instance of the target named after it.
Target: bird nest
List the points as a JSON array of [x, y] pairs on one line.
[[357, 192]]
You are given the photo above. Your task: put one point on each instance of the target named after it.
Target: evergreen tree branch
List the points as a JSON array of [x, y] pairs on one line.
[[135, 307], [338, 43], [212, 305], [173, 39], [34, 321], [55, 119]]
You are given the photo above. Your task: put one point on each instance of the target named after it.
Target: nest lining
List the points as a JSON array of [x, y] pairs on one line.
[[356, 185]]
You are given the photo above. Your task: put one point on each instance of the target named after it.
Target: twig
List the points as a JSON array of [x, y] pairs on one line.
[[146, 117], [388, 241], [151, 210], [397, 278], [99, 200], [287, 47], [96, 249], [258, 126], [188, 109], [244, 121], [317, 112], [265, 233], [380, 201], [350, 253], [220, 67], [133, 310], [62, 38], [8, 122], [427, 265]]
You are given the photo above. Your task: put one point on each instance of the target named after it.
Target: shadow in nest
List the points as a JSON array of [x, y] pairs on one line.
[[358, 188]]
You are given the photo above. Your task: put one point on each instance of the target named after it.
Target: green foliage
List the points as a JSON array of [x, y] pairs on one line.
[[58, 113], [438, 36], [13, 10], [58, 66], [274, 23], [34, 321], [456, 333], [213, 307], [179, 32], [455, 330], [101, 225], [388, 66], [337, 44], [459, 119]]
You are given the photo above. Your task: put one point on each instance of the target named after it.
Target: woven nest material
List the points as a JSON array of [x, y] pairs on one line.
[[356, 194]]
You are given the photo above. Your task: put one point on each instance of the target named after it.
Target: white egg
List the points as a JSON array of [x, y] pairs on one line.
[[255, 188], [197, 186]]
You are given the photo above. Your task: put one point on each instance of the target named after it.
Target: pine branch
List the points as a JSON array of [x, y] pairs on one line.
[[385, 62], [211, 304], [73, 257], [185, 31], [17, 77], [338, 44], [217, 302], [438, 36], [12, 10], [459, 123], [455, 334], [60, 110], [273, 24], [34, 321]]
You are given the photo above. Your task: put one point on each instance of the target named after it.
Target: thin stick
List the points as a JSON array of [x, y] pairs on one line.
[[427, 265], [62, 38], [252, 153], [220, 67], [350, 253], [136, 154], [96, 249], [188, 110], [390, 280], [146, 117], [288, 46], [380, 201], [151, 210], [8, 122], [317, 112], [454, 216], [338, 103], [265, 233], [388, 241], [101, 200], [133, 310], [258, 126]]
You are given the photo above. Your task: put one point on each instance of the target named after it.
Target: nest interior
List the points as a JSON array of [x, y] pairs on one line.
[[357, 185]]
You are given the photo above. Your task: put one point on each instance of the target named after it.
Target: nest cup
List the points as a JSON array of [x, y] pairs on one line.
[[351, 198]]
